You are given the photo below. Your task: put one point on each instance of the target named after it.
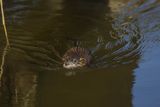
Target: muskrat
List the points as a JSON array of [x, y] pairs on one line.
[[76, 57]]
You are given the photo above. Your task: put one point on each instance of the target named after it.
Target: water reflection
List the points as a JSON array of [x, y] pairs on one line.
[[101, 87], [18, 85], [44, 30]]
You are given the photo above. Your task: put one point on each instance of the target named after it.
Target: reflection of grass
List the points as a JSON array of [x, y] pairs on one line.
[[7, 40], [2, 63]]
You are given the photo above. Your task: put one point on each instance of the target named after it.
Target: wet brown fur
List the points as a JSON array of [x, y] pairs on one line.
[[77, 52]]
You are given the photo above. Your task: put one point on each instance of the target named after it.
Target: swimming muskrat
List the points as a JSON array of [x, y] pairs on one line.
[[76, 57]]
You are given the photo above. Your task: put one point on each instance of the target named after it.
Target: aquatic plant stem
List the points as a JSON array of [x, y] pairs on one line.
[[7, 41], [4, 23]]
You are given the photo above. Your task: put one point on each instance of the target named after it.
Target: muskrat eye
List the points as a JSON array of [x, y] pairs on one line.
[[82, 60], [74, 60]]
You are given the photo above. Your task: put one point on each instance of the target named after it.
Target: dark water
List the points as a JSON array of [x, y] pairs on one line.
[[123, 37]]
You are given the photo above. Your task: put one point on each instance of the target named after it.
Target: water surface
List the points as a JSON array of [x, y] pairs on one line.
[[122, 35]]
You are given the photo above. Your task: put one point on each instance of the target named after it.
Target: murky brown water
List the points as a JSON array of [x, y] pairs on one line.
[[123, 37]]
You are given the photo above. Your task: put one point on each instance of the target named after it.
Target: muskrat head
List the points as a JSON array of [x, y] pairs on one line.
[[72, 63], [76, 57]]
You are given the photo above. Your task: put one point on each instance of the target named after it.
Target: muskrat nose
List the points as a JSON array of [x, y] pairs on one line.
[[65, 64]]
